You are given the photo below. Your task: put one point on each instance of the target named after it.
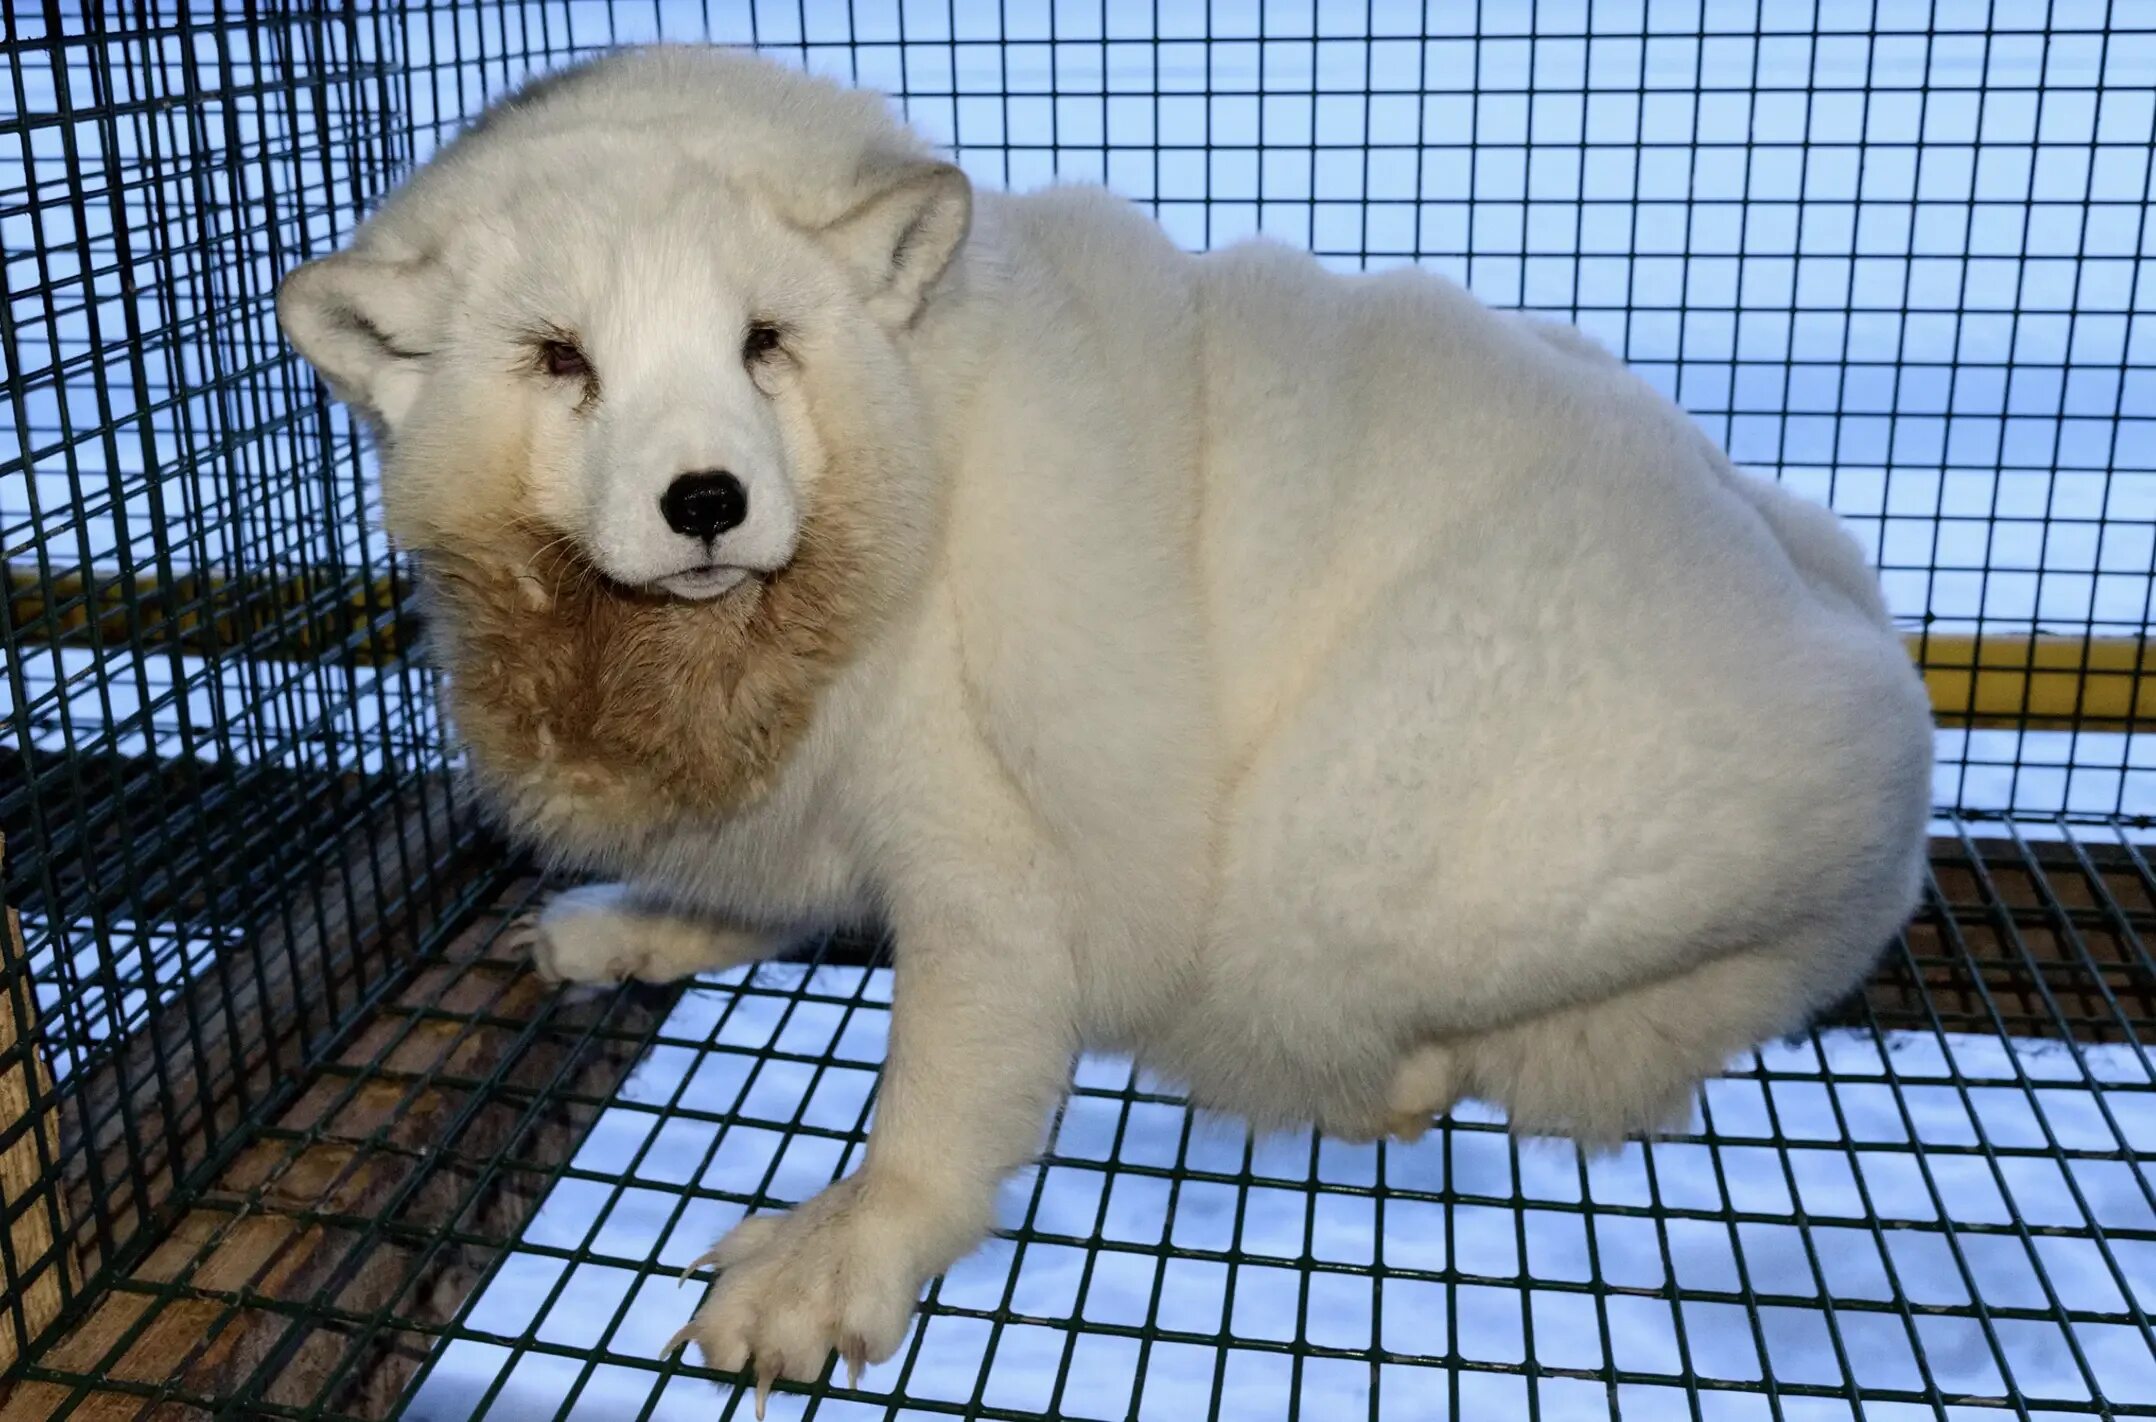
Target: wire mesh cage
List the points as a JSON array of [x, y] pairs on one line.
[[289, 1128]]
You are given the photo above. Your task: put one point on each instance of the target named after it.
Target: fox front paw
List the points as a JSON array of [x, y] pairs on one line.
[[839, 1274], [596, 935]]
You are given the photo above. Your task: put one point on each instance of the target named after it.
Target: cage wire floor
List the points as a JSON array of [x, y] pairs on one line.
[[1940, 1202]]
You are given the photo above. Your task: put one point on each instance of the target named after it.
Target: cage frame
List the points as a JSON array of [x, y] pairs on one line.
[[283, 1182]]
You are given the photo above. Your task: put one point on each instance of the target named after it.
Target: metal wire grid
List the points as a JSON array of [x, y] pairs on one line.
[[1941, 1206], [1892, 251], [179, 797], [170, 796], [1899, 1216]]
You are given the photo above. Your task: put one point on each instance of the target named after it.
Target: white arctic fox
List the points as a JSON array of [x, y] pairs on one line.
[[1340, 695]]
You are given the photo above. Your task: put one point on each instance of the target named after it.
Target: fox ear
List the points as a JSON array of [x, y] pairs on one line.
[[902, 237], [363, 323]]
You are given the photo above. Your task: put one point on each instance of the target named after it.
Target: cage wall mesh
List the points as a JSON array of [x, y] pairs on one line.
[[265, 1004]]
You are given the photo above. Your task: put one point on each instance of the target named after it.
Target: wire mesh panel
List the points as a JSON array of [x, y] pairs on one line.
[[221, 787], [1906, 1213], [300, 1134], [1892, 253]]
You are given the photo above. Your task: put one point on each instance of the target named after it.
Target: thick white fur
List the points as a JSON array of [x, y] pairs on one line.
[[1343, 696], [605, 934]]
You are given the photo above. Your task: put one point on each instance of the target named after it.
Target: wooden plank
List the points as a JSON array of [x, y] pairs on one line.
[[136, 1117], [141, 1116], [386, 1131], [38, 1272], [275, 614], [2023, 939]]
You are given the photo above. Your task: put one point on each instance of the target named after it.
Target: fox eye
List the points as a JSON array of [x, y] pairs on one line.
[[761, 341], [563, 360]]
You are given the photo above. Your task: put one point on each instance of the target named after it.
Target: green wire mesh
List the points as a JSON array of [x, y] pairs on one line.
[[1900, 1213], [293, 1131], [1936, 1204]]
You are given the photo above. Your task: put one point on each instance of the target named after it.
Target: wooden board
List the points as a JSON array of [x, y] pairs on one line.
[[289, 614], [144, 1115], [29, 1168], [390, 1132]]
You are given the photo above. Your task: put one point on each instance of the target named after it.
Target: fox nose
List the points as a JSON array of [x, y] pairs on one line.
[[704, 504]]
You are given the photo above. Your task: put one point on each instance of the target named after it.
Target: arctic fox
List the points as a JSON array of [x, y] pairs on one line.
[[1341, 696]]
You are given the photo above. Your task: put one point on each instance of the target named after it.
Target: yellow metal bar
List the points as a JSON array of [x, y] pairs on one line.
[[2042, 681], [2002, 680]]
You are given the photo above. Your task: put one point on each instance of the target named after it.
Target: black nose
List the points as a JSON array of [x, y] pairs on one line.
[[704, 505]]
